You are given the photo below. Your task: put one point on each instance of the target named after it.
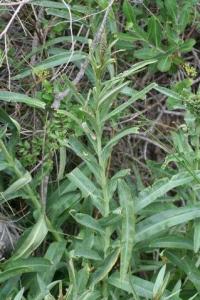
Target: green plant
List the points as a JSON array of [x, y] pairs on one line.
[[161, 34], [90, 228]]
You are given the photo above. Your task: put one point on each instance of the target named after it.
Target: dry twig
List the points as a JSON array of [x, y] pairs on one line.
[[60, 96], [21, 4]]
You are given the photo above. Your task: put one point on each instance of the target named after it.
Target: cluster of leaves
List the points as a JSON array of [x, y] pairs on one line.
[[161, 35], [46, 143], [96, 234]]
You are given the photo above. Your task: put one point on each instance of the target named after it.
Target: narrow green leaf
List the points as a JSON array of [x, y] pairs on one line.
[[54, 254], [12, 124], [51, 62], [108, 147], [136, 67], [185, 264], [159, 282], [163, 221], [46, 3], [142, 287], [82, 151], [22, 266], [111, 93], [11, 191], [64, 203], [90, 295], [19, 295], [161, 187], [187, 45], [196, 235], [86, 186], [82, 279], [31, 241], [62, 163], [87, 254], [21, 98], [129, 13], [88, 221], [173, 242], [168, 92], [136, 96], [172, 9], [107, 266], [147, 53], [154, 31], [128, 227]]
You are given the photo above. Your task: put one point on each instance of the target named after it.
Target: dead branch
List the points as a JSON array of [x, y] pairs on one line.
[[61, 95], [21, 4]]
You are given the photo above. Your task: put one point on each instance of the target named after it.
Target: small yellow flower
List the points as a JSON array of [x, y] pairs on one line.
[[41, 74], [190, 70]]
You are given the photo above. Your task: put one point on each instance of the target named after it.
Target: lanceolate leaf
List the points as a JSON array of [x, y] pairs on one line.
[[172, 241], [196, 235], [45, 279], [10, 122], [154, 31], [63, 203], [21, 98], [53, 61], [88, 221], [32, 239], [136, 96], [22, 266], [11, 191], [111, 93], [80, 150], [102, 271], [136, 67], [142, 287], [161, 187], [47, 3], [163, 221], [87, 253], [128, 227], [185, 264], [169, 93], [171, 9], [159, 282], [90, 295], [108, 148], [85, 185], [54, 255], [19, 295]]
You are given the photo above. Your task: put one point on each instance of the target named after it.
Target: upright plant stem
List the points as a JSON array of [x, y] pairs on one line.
[[197, 145], [105, 193]]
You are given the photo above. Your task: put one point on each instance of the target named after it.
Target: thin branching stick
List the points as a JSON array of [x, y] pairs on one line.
[[21, 4], [61, 95], [12, 3]]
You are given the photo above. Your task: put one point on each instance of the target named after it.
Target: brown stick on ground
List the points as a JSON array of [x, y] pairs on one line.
[[61, 95]]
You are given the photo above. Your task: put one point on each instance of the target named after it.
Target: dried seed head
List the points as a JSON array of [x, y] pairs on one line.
[[103, 45]]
